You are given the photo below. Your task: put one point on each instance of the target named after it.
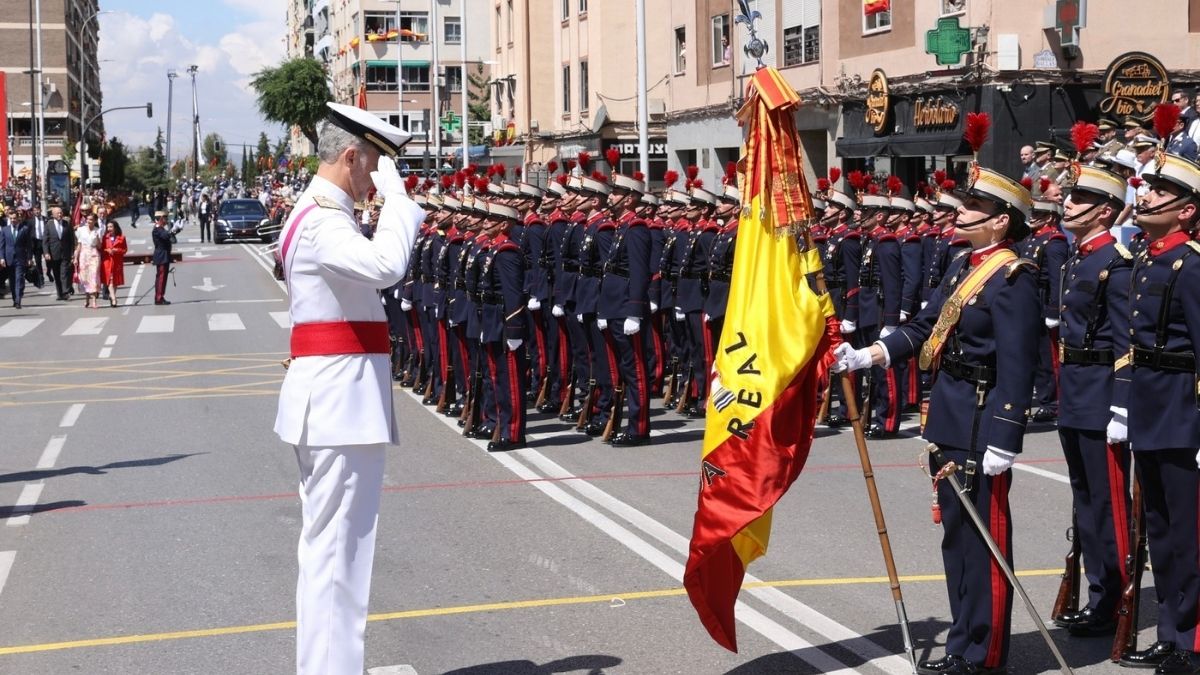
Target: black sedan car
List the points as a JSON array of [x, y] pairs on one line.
[[240, 218]]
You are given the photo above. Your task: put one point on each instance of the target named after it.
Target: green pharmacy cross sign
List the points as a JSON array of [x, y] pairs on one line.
[[451, 123], [948, 42]]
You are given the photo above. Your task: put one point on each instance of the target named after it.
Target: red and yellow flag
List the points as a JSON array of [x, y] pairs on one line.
[[876, 6], [773, 354]]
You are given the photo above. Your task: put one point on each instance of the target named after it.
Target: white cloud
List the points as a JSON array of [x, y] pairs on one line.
[[137, 51]]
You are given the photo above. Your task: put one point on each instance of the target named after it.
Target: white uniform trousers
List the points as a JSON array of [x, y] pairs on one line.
[[339, 496]]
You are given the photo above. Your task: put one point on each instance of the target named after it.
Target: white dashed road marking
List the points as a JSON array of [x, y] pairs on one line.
[[160, 323], [25, 503], [72, 414], [91, 325], [230, 321], [50, 454], [19, 327]]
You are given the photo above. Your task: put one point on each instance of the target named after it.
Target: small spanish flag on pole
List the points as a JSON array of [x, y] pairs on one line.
[[775, 351]]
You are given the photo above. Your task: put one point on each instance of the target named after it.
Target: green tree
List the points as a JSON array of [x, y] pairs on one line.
[[147, 170], [70, 150], [214, 150], [281, 147], [479, 105], [113, 163], [294, 93]]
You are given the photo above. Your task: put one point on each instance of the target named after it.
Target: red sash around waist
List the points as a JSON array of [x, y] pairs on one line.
[[334, 338]]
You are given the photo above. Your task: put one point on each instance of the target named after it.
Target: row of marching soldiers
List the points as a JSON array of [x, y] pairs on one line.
[[587, 300], [1120, 329]]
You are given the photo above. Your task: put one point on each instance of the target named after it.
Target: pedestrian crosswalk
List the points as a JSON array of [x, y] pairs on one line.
[[149, 324]]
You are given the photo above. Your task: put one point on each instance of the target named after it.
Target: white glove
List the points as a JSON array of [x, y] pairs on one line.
[[1118, 426], [1051, 323], [997, 461], [679, 316], [903, 316], [848, 326], [437, 311], [514, 345], [633, 324], [557, 311], [383, 301], [849, 358], [405, 305], [387, 179], [602, 324], [653, 307], [923, 303], [533, 305], [886, 331], [396, 294], [706, 317]]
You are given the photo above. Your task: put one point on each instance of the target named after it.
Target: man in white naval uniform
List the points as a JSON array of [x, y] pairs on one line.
[[335, 406]]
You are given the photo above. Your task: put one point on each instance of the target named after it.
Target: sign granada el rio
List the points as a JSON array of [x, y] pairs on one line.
[[877, 101], [1134, 83]]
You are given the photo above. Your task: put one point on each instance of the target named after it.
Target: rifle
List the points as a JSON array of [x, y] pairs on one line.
[[614, 418], [472, 411], [685, 397], [823, 414], [1068, 590], [448, 393], [1135, 563], [585, 413], [543, 390], [568, 395], [672, 377]]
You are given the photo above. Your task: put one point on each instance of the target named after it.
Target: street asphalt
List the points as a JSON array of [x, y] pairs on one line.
[[150, 519]]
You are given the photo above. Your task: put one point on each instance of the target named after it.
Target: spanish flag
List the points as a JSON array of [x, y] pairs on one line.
[[773, 354], [876, 6]]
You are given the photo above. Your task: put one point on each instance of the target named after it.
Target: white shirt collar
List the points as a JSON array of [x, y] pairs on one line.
[[326, 188], [1091, 237]]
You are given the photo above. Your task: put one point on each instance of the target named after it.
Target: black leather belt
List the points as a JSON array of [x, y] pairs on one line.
[[1156, 359], [691, 275], [590, 271], [492, 298], [624, 274], [1085, 357], [570, 266], [721, 276], [976, 375]]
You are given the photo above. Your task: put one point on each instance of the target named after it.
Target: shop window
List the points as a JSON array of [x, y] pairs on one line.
[[452, 30], [583, 86], [680, 50], [381, 78], [801, 45], [417, 124], [722, 51], [952, 7], [416, 78], [877, 16]]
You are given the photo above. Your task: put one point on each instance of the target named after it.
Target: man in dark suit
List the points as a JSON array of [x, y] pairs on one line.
[[22, 235], [8, 258], [60, 247], [37, 239], [161, 257]]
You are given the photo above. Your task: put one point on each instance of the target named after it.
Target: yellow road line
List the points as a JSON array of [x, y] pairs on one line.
[[135, 399], [470, 609]]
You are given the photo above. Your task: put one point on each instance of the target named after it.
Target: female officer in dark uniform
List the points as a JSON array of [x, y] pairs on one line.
[[979, 334]]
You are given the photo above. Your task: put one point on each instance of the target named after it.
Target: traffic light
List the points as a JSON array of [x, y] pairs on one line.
[[149, 110]]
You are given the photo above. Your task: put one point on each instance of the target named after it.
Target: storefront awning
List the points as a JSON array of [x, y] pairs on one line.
[[923, 145]]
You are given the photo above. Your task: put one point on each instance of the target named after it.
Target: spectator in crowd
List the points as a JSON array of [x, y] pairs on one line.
[[112, 268], [87, 259], [1031, 170]]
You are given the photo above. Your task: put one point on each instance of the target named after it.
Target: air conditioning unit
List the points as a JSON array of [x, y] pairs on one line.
[[656, 108], [533, 125]]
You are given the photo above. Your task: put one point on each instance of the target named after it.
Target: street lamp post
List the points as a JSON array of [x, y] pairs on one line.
[[195, 124], [171, 75], [40, 175], [149, 107], [83, 102]]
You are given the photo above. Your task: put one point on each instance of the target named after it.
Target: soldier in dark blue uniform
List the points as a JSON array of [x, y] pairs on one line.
[[1093, 333], [978, 333], [477, 252], [597, 232], [675, 204], [503, 327], [624, 303], [1047, 248], [841, 257], [720, 263], [880, 292], [1160, 415], [537, 284], [433, 301], [448, 270], [648, 209], [692, 256]]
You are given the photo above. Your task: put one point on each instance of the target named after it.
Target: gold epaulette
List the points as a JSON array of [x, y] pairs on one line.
[[1122, 251], [326, 203], [1195, 246], [1019, 264]]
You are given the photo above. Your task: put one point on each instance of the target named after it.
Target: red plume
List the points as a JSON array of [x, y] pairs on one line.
[[562, 179], [517, 172], [939, 176], [447, 181], [670, 177], [1135, 182], [834, 174], [460, 179], [1044, 184], [948, 185], [730, 173], [692, 171], [472, 168], [873, 189], [410, 183], [571, 165], [599, 175], [613, 155], [895, 186], [923, 187], [491, 171], [698, 183], [1028, 183], [978, 126], [585, 160], [1083, 134], [1165, 117], [427, 184], [551, 166], [857, 180], [822, 184], [638, 175]]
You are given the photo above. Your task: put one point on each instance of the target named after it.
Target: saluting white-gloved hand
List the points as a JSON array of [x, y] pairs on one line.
[[997, 461], [405, 305], [514, 345], [1051, 323], [1118, 427], [533, 305], [849, 358], [923, 303], [848, 326], [557, 311], [632, 325], [602, 324], [387, 179]]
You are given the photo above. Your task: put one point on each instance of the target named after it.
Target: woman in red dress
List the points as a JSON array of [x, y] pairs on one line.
[[112, 262]]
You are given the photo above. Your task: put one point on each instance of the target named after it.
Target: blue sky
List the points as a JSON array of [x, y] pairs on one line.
[[230, 40]]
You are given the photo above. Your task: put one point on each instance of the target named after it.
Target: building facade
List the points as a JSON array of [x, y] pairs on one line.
[[70, 78]]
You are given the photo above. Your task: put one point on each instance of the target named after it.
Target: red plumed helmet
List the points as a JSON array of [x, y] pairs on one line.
[[447, 181], [1027, 182], [1044, 184], [638, 175], [460, 179], [1082, 136], [692, 171], [834, 174], [697, 183], [730, 173], [472, 168], [822, 184], [949, 185], [585, 160], [562, 179], [613, 156], [873, 189], [939, 176], [599, 175], [410, 183], [427, 184], [895, 186], [1135, 182], [481, 185], [978, 127], [1165, 117], [551, 166], [571, 165], [670, 177], [517, 172]]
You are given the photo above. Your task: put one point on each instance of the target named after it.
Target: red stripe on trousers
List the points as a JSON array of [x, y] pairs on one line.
[[1055, 366], [564, 361], [893, 409], [610, 352], [656, 334], [639, 366], [443, 353], [416, 329], [1117, 494], [539, 337], [998, 527], [518, 401], [494, 377], [914, 380], [708, 353]]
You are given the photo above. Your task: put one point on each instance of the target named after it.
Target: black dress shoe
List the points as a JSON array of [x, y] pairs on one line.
[[1149, 657], [694, 411], [455, 410], [570, 417], [429, 400], [593, 428], [835, 421], [1179, 662], [16, 305], [955, 665], [1067, 618], [548, 407], [627, 440], [876, 431], [162, 302], [504, 446], [1045, 415], [1090, 623], [482, 434]]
